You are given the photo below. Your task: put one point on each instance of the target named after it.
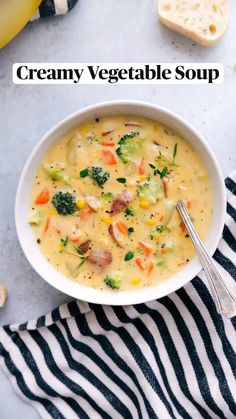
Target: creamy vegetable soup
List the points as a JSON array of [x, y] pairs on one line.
[[103, 203]]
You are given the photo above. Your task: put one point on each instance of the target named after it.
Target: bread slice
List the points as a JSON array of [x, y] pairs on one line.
[[203, 21], [3, 295]]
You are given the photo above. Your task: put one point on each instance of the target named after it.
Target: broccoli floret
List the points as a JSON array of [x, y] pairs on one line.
[[55, 172], [130, 146], [64, 202], [130, 211], [152, 191], [107, 196], [99, 175], [112, 282]]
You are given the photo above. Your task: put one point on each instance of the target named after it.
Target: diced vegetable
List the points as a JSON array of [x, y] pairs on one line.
[[112, 282], [47, 224], [151, 191], [93, 202], [147, 248], [122, 227], [99, 175], [43, 197], [85, 214], [35, 218], [80, 203], [73, 149], [140, 264], [107, 196], [56, 172], [130, 211], [64, 202], [150, 267], [129, 147], [141, 169], [135, 281], [168, 245], [170, 208], [108, 143], [75, 236], [109, 156], [115, 233]]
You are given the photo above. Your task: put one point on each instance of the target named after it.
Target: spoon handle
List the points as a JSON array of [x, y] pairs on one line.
[[223, 295]]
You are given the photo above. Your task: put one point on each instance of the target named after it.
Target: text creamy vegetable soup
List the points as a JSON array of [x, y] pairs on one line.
[[103, 203]]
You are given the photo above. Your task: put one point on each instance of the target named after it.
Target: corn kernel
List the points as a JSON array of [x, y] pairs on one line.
[[151, 222], [84, 128], [135, 281], [60, 247], [144, 203], [52, 211], [107, 220], [142, 178], [80, 203]]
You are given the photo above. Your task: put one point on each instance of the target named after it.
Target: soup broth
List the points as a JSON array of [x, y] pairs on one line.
[[103, 203]]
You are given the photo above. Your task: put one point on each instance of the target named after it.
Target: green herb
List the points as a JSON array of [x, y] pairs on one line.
[[174, 153], [64, 202], [82, 256], [161, 173], [129, 256], [84, 173], [64, 242], [130, 230], [130, 211], [121, 180]]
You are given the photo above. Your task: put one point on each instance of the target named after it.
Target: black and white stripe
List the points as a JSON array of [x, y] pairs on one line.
[[169, 358], [53, 7]]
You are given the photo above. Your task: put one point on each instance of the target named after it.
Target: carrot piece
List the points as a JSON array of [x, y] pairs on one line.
[[84, 215], [47, 224], [108, 143], [104, 133], [189, 204], [161, 218], [141, 169], [75, 237], [43, 197], [146, 248], [109, 156], [150, 267], [139, 262], [122, 227], [183, 228]]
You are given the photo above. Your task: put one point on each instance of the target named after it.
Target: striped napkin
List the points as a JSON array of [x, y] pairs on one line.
[[169, 358], [53, 7]]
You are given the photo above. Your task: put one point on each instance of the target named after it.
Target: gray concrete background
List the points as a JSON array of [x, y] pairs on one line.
[[96, 31]]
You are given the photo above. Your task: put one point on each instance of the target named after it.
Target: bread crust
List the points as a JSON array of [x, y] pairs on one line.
[[200, 30]]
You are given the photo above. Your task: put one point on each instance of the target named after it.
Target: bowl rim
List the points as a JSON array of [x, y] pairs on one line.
[[108, 297]]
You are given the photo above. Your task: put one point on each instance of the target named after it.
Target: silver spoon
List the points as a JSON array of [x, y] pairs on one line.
[[223, 295]]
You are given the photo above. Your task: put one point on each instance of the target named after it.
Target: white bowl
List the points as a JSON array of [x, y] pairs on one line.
[[27, 238]]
